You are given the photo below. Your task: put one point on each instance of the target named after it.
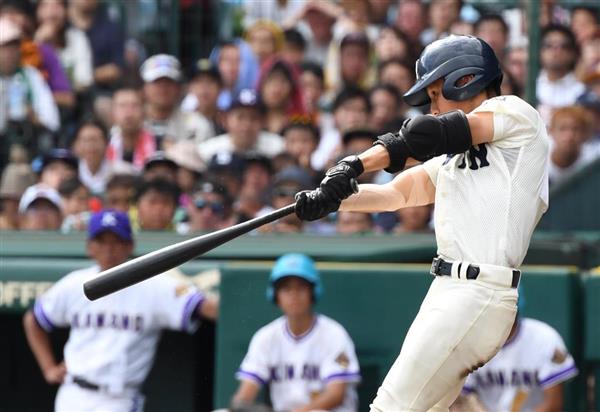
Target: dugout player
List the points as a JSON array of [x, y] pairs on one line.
[[112, 340], [307, 359], [485, 161]]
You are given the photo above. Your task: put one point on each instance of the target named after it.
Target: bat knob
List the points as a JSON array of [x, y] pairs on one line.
[[354, 185]]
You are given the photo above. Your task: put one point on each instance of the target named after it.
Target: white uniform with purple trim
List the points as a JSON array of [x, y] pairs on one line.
[[113, 340], [533, 360], [297, 368]]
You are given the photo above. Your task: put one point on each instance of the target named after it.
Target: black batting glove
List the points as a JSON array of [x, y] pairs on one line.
[[340, 180], [315, 204]]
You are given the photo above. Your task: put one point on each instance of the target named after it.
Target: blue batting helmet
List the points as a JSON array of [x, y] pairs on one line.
[[295, 264], [450, 59]]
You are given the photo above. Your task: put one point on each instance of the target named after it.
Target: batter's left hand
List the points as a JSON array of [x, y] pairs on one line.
[[55, 375], [340, 180], [315, 204]]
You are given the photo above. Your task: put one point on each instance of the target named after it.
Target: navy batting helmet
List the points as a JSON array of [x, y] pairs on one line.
[[450, 59], [295, 264]]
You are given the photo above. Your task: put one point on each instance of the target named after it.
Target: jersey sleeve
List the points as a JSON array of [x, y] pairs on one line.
[[175, 302], [432, 167], [51, 308], [470, 385], [559, 365], [516, 123], [341, 363], [255, 366]]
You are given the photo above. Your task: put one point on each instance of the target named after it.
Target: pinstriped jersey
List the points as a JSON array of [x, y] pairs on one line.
[[489, 199]]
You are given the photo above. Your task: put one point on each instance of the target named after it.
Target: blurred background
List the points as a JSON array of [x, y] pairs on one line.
[[194, 115]]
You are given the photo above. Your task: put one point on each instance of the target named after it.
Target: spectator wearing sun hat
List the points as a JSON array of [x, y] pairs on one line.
[[40, 208]]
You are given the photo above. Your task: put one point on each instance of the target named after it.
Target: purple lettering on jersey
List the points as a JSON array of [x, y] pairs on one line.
[[75, 321], [515, 379], [289, 372], [527, 379], [88, 320], [139, 323], [273, 375], [100, 320], [501, 379], [113, 321], [125, 322]]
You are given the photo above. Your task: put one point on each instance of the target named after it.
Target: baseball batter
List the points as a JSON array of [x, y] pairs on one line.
[[112, 340], [485, 161], [307, 359], [527, 373]]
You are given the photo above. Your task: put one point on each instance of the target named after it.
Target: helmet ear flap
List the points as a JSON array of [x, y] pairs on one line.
[[452, 91]]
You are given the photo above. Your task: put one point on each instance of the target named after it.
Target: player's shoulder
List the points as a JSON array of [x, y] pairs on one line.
[[538, 331], [331, 327], [81, 275], [271, 330]]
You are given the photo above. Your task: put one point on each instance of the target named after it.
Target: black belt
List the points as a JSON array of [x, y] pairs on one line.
[[440, 267], [79, 381]]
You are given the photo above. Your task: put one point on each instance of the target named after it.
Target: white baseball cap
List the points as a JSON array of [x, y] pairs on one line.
[[9, 31], [39, 191], [161, 65]]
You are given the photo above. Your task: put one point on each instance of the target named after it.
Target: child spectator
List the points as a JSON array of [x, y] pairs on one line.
[[120, 192], [156, 202], [75, 198], [40, 209]]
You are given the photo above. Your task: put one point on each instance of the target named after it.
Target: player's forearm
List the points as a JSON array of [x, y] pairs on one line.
[[332, 397], [39, 342], [209, 309]]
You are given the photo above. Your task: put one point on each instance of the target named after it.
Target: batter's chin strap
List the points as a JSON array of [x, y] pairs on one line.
[[424, 137]]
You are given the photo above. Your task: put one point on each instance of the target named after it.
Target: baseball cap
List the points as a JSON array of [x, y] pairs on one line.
[[161, 65], [36, 192], [247, 98], [206, 67], [253, 157], [64, 155], [9, 31], [15, 179], [227, 162], [211, 186], [112, 221], [295, 175]]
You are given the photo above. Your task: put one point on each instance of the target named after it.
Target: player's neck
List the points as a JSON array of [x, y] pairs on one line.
[[300, 324]]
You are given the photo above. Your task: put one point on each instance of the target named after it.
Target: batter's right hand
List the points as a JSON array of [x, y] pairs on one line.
[[55, 375], [315, 204]]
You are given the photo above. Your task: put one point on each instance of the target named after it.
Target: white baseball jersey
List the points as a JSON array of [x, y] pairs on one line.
[[297, 368], [112, 341], [533, 360], [489, 199]]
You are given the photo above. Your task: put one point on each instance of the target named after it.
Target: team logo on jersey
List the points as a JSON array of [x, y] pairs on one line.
[[343, 360], [477, 158], [559, 356]]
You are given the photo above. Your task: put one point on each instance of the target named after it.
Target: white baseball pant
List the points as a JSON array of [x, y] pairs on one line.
[[461, 325], [73, 398]]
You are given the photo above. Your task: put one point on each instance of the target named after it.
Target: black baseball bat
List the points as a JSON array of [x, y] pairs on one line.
[[161, 260]]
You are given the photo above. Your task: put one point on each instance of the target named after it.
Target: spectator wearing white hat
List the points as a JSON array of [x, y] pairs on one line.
[[162, 77], [40, 209]]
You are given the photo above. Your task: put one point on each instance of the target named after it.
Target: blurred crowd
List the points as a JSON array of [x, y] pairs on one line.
[[86, 126]]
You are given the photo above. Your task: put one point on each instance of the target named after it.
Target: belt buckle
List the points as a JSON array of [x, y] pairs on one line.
[[435, 266]]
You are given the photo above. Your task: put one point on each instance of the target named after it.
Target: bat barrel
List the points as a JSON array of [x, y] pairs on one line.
[[159, 261]]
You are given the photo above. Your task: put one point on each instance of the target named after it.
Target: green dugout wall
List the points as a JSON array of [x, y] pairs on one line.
[[376, 303]]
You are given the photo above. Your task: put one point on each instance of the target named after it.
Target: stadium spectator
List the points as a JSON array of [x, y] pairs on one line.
[[557, 85], [286, 184], [589, 62], [386, 104], [238, 67], [189, 166], [120, 192], [294, 47], [282, 353], [353, 223], [160, 166], [493, 29], [350, 64], [130, 141], [37, 54], [57, 166], [570, 128], [75, 198], [90, 146], [442, 14], [515, 64], [70, 43], [209, 210], [413, 219], [16, 177], [401, 75], [273, 10], [256, 180], [351, 109], [584, 24], [315, 22], [462, 28], [204, 89], [40, 209], [411, 19], [355, 141], [265, 38], [301, 141], [244, 123], [279, 90], [227, 169], [28, 106], [156, 202], [392, 43], [123, 332], [106, 40], [312, 86], [161, 74]]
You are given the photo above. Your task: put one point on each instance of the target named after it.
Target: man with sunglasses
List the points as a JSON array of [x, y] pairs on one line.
[[209, 210]]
